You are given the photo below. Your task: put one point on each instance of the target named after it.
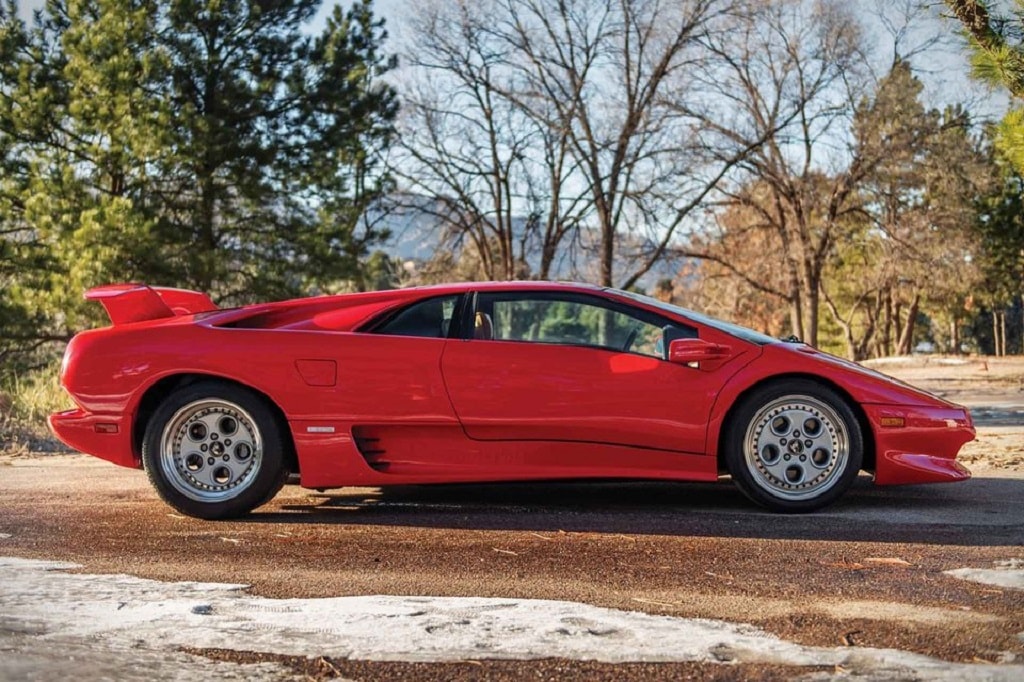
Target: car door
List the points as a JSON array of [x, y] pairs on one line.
[[575, 367], [391, 372]]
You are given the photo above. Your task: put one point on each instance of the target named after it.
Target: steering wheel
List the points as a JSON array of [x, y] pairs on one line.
[[629, 340]]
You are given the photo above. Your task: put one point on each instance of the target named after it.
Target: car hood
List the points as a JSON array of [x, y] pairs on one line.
[[864, 384]]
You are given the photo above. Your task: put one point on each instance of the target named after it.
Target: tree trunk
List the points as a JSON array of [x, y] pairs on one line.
[[607, 249], [1002, 332], [886, 340], [907, 335], [879, 324], [796, 310], [846, 326], [811, 326], [995, 334], [897, 336]]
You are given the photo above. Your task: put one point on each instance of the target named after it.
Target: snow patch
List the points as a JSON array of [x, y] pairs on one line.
[[920, 360], [890, 360], [1009, 574], [4, 536], [119, 611]]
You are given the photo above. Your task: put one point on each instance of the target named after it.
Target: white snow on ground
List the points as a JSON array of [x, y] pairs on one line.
[[1008, 573], [915, 359], [4, 536], [62, 660], [116, 611]]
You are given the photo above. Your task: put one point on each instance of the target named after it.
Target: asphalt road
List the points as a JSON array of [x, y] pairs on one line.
[[866, 572]]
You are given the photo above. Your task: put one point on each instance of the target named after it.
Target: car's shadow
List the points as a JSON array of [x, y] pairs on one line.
[[979, 512]]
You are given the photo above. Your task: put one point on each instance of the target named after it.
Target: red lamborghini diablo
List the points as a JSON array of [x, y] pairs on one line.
[[481, 382]]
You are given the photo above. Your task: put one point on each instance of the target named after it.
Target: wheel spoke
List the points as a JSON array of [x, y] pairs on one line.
[[235, 467], [778, 469], [204, 475]]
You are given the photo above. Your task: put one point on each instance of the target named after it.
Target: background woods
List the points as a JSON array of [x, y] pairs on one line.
[[778, 164], [210, 145]]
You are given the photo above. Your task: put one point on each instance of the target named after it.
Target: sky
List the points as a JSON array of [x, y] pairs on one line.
[[943, 67]]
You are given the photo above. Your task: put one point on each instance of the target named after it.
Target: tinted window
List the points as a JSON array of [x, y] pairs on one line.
[[429, 318], [727, 327], [571, 321]]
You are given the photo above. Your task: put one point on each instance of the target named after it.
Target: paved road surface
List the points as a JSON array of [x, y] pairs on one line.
[[868, 572]]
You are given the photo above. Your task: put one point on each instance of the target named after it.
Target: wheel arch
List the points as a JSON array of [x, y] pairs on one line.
[[158, 392], [868, 463]]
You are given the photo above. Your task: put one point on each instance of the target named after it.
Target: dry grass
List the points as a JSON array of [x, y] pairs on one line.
[[25, 402]]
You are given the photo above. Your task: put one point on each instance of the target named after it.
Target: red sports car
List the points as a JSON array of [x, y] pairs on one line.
[[481, 382]]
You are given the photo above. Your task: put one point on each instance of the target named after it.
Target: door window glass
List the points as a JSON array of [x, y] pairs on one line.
[[571, 322]]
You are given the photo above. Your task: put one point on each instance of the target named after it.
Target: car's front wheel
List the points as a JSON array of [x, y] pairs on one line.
[[214, 450], [794, 446]]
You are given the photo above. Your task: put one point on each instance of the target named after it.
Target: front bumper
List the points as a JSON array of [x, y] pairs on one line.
[[105, 436], [915, 444]]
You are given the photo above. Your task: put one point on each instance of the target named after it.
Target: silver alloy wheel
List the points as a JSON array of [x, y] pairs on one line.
[[796, 447], [211, 450]]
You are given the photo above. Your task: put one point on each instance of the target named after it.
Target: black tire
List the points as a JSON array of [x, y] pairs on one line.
[[793, 446], [215, 450]]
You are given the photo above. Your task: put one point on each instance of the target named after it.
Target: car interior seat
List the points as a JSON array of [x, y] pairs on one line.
[[483, 328]]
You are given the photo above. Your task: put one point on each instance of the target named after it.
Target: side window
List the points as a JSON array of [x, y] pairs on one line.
[[569, 321], [430, 318]]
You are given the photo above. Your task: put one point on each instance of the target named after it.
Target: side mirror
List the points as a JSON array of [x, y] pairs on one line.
[[698, 353]]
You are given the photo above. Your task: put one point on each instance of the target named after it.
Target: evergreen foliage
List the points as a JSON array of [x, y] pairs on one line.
[[208, 144], [997, 58]]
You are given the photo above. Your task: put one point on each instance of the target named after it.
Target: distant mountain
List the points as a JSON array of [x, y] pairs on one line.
[[417, 225]]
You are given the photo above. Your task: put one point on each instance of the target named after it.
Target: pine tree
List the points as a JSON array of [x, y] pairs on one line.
[[210, 144], [997, 58]]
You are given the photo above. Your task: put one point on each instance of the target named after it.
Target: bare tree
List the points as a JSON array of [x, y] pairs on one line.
[[495, 173], [582, 115], [792, 72], [603, 69], [754, 293]]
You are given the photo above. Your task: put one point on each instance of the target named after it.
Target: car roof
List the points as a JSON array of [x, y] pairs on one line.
[[409, 294], [510, 285]]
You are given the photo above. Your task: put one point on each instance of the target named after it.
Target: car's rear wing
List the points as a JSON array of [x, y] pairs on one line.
[[138, 302]]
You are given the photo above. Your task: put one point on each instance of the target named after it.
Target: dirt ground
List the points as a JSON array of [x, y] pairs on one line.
[[869, 572], [993, 388]]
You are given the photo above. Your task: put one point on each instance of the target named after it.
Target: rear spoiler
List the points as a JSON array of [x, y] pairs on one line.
[[127, 303]]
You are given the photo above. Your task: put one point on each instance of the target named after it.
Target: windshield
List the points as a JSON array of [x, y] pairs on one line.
[[733, 329]]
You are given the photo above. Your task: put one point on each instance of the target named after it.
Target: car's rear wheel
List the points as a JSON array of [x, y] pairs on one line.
[[794, 446], [214, 450]]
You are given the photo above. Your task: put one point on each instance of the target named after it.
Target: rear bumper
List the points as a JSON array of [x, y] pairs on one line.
[[102, 435], [919, 444]]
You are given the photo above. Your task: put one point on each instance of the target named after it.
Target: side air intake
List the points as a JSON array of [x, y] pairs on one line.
[[370, 447]]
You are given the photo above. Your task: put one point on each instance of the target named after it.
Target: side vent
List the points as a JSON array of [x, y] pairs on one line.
[[369, 445]]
